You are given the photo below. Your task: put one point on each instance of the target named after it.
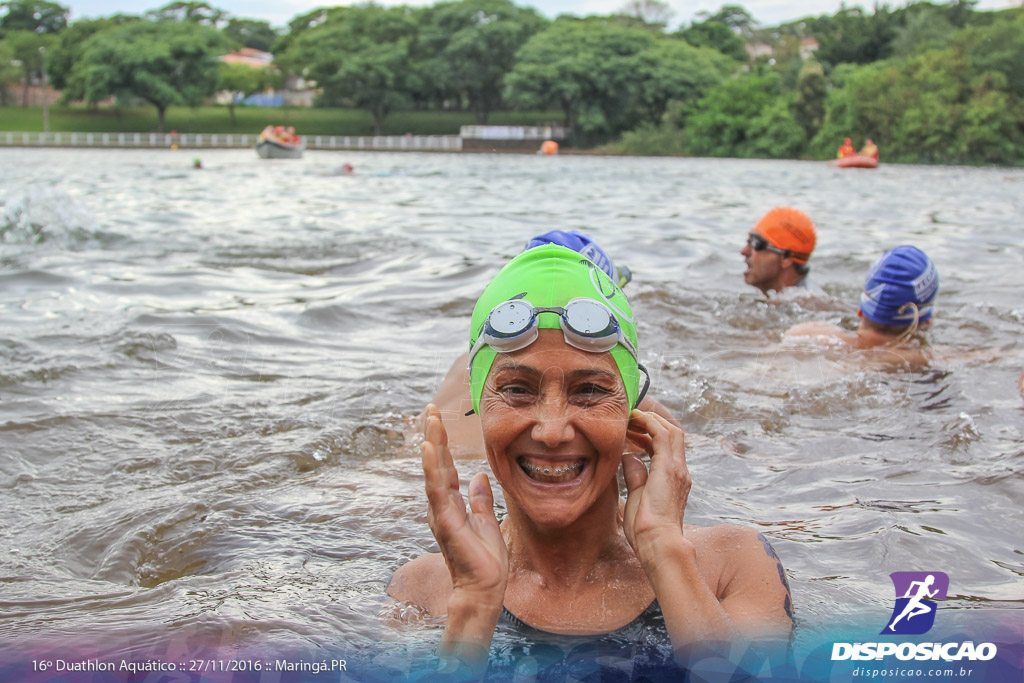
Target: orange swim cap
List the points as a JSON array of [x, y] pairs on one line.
[[788, 228]]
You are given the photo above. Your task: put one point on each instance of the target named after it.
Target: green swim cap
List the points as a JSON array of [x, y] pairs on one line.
[[548, 276]]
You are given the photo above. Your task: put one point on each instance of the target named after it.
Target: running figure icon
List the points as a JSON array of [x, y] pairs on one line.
[[916, 593], [915, 607]]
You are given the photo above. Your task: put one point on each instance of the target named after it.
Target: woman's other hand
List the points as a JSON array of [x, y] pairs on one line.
[[656, 500], [472, 545]]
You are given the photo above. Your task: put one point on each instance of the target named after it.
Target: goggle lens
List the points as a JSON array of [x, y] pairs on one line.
[[510, 319], [759, 243], [590, 319]]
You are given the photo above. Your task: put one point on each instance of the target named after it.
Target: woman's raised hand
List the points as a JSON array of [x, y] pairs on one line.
[[655, 501], [470, 540]]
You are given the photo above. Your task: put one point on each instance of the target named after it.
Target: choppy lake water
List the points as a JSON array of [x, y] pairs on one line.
[[205, 377]]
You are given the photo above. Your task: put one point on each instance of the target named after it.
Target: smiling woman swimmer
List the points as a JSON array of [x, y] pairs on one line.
[[554, 377]]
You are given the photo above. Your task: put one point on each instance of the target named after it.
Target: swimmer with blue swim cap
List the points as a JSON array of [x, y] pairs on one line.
[[554, 378], [898, 300], [585, 245]]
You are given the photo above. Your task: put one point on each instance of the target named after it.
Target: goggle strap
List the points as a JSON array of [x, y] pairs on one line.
[[646, 386]]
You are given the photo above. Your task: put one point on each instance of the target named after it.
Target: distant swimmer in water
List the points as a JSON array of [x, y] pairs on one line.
[[898, 301], [556, 382], [452, 398], [777, 250], [915, 606]]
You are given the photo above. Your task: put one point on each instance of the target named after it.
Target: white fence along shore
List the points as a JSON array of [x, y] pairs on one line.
[[397, 143]]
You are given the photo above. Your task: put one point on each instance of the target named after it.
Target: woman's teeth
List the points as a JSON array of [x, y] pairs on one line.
[[548, 473]]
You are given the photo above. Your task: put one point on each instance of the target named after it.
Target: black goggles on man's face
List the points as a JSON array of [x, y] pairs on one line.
[[759, 243]]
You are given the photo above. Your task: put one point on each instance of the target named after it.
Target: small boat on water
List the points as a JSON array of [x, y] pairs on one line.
[[855, 161], [273, 149], [279, 142]]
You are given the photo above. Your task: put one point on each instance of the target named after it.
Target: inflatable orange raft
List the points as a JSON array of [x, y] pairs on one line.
[[855, 161]]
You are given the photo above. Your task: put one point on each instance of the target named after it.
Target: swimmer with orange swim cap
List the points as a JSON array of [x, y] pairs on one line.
[[777, 250]]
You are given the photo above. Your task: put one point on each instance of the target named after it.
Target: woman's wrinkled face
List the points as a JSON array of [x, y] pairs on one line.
[[554, 422]]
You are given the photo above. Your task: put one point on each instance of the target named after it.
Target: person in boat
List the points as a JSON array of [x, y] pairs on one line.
[[555, 379], [870, 149], [777, 250], [453, 396], [846, 149], [898, 301]]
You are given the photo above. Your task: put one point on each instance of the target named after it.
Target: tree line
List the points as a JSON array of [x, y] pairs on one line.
[[929, 82]]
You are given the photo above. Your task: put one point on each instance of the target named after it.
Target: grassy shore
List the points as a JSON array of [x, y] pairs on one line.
[[307, 121]]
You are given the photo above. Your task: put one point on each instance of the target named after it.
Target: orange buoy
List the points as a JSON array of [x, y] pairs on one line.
[[549, 147]]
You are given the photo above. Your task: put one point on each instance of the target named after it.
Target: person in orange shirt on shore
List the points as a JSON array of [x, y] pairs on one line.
[[846, 149]]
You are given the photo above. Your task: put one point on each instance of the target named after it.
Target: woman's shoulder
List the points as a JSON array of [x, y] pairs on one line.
[[728, 552], [724, 538], [425, 582], [741, 567]]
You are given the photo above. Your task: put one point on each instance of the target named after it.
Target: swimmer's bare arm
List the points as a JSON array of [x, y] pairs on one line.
[[653, 524], [755, 591], [473, 551], [742, 596]]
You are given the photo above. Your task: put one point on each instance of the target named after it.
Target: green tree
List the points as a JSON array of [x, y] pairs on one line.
[[9, 71], [29, 49], [251, 33], [192, 12], [852, 36], [736, 17], [926, 27], [465, 48], [745, 117], [588, 69], [358, 56], [649, 13], [961, 103], [67, 50], [716, 35], [673, 70], [37, 16], [811, 91], [163, 63]]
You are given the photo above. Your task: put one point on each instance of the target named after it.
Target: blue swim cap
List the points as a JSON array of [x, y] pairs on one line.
[[578, 242], [901, 277]]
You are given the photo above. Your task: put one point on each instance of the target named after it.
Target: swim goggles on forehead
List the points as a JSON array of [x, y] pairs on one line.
[[759, 243], [586, 324]]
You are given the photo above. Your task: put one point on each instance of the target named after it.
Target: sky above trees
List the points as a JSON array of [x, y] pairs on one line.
[[279, 12]]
